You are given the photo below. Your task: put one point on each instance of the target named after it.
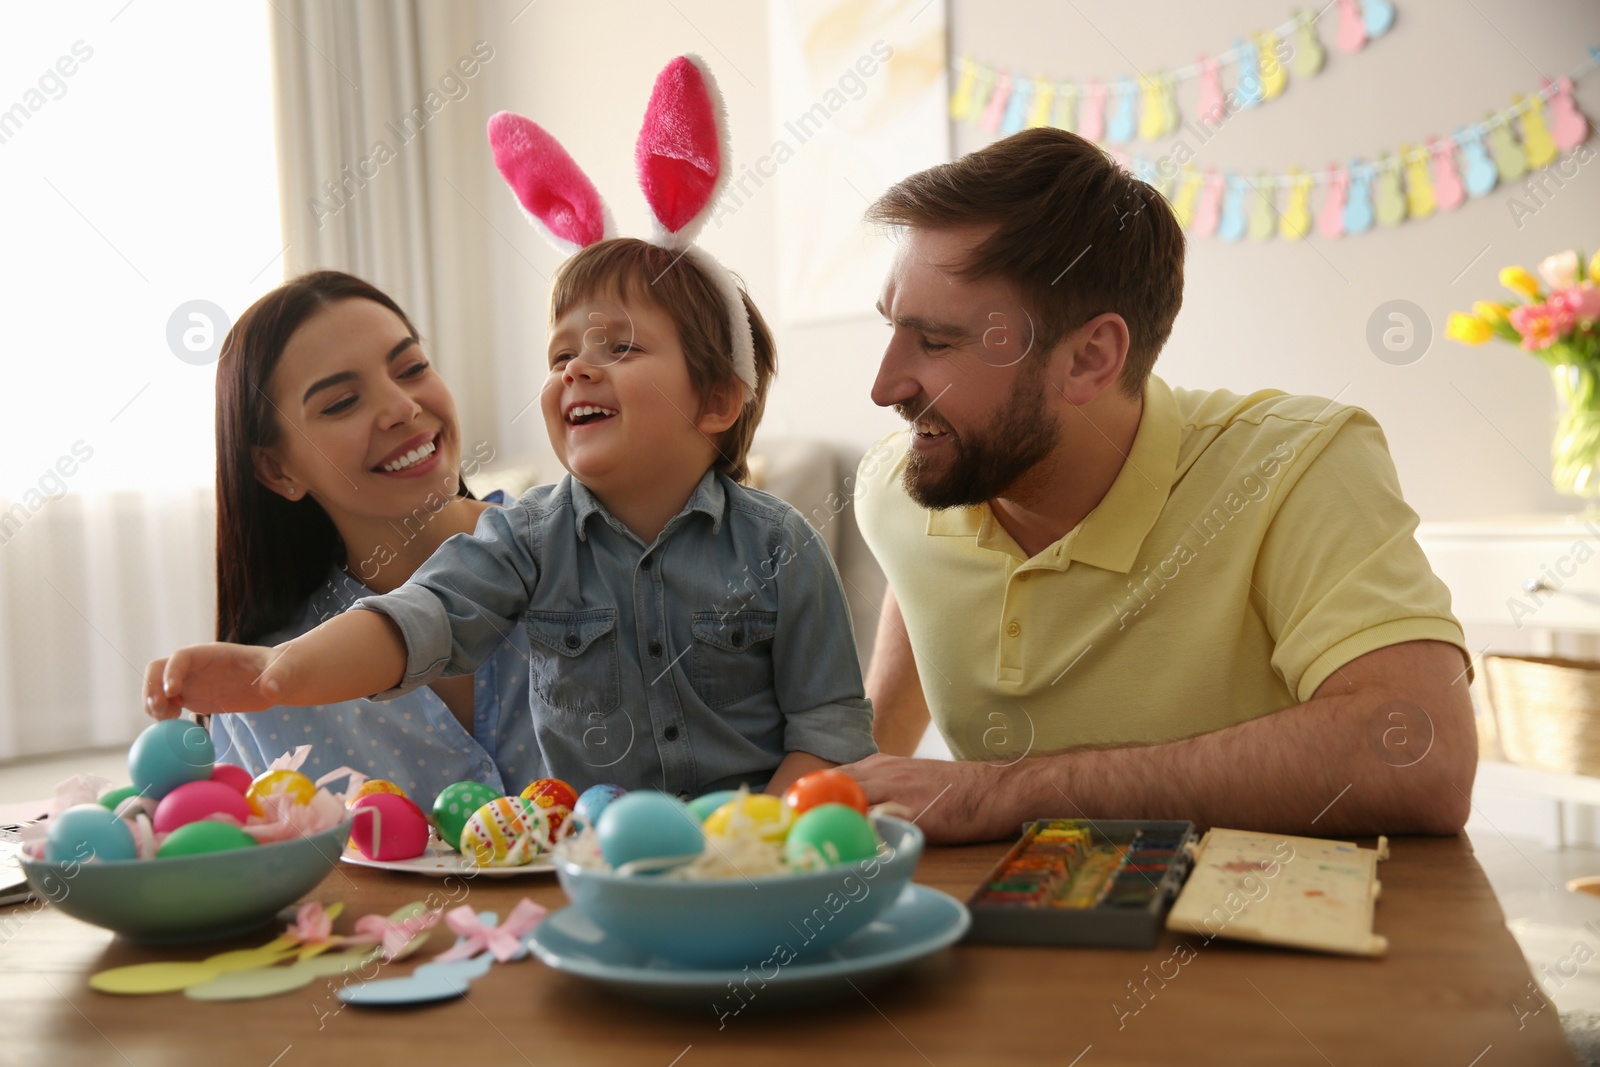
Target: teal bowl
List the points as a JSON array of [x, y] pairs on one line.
[[737, 922], [189, 898]]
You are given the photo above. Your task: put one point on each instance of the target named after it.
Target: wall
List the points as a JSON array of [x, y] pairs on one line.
[[1469, 428]]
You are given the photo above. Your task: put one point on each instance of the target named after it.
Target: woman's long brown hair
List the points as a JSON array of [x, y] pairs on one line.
[[272, 553]]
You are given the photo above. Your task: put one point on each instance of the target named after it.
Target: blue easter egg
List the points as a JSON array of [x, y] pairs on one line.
[[86, 832], [704, 806], [593, 801], [168, 754], [645, 825]]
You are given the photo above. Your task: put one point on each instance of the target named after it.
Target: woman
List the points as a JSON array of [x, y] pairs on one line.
[[339, 471]]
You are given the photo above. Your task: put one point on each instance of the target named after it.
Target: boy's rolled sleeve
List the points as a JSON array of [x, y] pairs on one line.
[[463, 602], [815, 669]]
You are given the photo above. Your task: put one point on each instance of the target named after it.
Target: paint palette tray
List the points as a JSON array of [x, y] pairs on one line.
[[1105, 882]]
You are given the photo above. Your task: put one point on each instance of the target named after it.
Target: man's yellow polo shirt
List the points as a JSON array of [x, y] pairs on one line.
[[1249, 548]]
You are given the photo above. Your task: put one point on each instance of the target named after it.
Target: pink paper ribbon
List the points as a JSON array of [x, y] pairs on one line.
[[312, 923], [504, 940], [392, 937]]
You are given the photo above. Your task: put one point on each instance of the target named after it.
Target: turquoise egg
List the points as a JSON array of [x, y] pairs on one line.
[[168, 754], [837, 832], [593, 801], [647, 825], [704, 806], [88, 832]]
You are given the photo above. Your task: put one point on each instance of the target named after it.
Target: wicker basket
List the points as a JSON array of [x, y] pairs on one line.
[[1546, 711]]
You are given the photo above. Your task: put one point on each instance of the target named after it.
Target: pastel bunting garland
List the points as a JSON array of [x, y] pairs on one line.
[[1004, 101]]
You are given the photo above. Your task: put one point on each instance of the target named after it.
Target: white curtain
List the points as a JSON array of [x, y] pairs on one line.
[[92, 587], [383, 159]]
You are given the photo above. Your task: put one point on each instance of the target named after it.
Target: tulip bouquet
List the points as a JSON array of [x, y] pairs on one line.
[[1560, 326]]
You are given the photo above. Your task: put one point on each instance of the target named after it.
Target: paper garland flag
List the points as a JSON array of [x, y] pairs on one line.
[[1412, 182], [1006, 101]]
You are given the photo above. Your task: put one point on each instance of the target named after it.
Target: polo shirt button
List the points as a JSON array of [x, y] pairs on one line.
[[572, 640], [1014, 628], [655, 649], [671, 732]]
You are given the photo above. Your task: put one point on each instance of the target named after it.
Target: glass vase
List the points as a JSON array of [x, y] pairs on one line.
[[1575, 452]]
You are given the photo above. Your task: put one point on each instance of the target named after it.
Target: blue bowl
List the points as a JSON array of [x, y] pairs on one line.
[[737, 922], [189, 898]]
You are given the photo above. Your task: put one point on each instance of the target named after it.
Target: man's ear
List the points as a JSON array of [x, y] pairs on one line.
[[270, 473], [1092, 358], [721, 409]]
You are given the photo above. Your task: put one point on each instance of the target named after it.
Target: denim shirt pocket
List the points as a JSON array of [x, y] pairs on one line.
[[573, 659], [732, 655]]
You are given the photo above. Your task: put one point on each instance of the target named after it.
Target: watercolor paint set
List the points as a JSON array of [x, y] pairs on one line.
[[1106, 882]]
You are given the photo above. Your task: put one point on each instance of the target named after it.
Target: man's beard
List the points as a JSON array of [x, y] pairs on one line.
[[985, 464]]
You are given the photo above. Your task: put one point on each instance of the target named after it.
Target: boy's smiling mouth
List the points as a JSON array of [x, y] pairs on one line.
[[588, 414]]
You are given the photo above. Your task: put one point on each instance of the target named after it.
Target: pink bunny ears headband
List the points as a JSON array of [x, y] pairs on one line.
[[682, 156]]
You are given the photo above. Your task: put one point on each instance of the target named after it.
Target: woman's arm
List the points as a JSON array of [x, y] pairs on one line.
[[351, 655]]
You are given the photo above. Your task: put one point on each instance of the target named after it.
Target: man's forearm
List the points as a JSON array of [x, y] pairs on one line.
[[1332, 766]]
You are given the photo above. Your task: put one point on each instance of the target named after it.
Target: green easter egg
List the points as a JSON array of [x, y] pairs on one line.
[[838, 833], [455, 805], [117, 796], [201, 836]]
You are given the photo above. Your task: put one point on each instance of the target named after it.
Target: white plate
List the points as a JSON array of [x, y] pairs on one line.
[[442, 861]]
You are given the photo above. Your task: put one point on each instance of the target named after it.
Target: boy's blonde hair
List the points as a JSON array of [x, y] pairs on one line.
[[635, 269]]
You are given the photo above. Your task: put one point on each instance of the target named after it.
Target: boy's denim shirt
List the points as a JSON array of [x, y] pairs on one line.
[[689, 665]]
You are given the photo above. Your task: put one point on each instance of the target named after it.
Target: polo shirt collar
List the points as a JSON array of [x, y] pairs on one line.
[[709, 498], [1111, 535]]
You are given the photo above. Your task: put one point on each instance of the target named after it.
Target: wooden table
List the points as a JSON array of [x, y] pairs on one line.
[[1449, 992]]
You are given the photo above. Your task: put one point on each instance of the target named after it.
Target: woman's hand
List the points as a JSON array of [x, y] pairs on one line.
[[216, 678]]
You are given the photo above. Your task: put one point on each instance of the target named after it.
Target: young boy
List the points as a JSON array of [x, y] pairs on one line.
[[683, 633]]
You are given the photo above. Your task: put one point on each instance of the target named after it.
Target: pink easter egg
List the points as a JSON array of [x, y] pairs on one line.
[[194, 801], [399, 832], [231, 775]]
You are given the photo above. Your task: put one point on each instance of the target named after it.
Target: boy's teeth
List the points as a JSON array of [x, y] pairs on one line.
[[416, 455], [587, 410]]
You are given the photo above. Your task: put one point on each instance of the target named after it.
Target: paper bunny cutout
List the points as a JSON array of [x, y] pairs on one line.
[[683, 164]]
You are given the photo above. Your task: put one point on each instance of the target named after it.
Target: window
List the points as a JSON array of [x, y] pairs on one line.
[[138, 173]]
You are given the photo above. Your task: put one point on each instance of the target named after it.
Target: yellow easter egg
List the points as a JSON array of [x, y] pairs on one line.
[[765, 816], [375, 785], [502, 833], [279, 782]]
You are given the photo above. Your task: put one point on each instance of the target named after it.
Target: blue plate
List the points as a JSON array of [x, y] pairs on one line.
[[920, 922]]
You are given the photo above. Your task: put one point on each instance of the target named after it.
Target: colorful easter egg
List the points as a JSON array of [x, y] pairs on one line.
[[204, 836], [830, 835], [765, 816], [233, 776], [825, 787], [593, 801], [704, 806], [110, 799], [281, 782], [193, 801], [377, 785], [506, 832], [556, 797], [454, 805], [397, 829], [168, 754], [87, 832], [647, 824]]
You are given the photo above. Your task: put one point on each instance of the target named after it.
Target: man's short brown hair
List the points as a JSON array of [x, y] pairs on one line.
[[1076, 234], [638, 270]]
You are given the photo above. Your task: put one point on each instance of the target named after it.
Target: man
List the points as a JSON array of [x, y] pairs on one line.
[[1114, 598]]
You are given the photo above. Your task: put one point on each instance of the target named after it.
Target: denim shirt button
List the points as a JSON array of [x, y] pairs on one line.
[[644, 564], [572, 639], [655, 649], [738, 638], [671, 732]]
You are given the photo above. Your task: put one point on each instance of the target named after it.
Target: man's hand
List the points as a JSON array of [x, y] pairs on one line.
[[945, 798], [215, 679]]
